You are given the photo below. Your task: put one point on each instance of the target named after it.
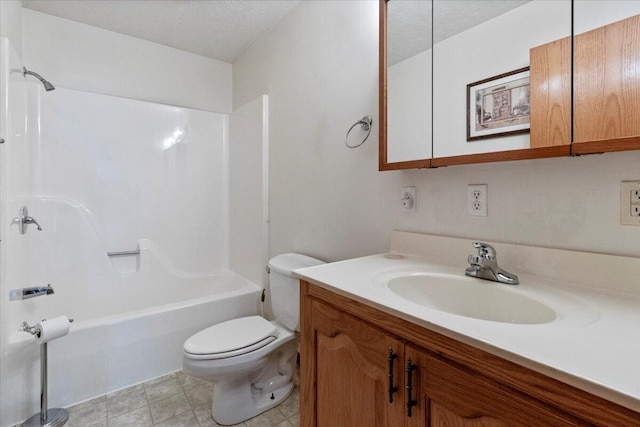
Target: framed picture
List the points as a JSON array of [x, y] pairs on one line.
[[499, 105]]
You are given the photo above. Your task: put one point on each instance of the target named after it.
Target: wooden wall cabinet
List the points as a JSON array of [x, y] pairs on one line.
[[551, 94], [593, 109], [348, 377], [607, 88]]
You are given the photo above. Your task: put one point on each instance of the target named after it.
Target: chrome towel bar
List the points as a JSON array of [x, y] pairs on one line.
[[124, 253]]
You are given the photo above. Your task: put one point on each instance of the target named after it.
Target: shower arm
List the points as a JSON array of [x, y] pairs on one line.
[[47, 86]]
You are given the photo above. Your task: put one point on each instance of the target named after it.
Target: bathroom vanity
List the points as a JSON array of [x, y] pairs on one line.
[[375, 354]]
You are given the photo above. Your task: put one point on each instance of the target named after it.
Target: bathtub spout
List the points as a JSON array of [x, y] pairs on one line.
[[26, 293]]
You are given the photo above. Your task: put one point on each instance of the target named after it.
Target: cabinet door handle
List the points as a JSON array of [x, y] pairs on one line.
[[391, 356], [411, 402]]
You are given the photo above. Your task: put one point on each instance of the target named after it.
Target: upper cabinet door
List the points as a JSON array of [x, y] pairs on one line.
[[491, 85], [405, 84], [606, 76]]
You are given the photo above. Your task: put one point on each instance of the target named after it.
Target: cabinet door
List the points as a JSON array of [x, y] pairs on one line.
[[551, 94], [354, 371], [607, 86], [451, 395]]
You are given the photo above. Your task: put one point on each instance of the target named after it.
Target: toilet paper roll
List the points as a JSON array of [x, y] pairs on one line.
[[52, 329]]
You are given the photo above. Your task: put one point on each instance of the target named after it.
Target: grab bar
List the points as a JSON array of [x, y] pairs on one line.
[[124, 253]]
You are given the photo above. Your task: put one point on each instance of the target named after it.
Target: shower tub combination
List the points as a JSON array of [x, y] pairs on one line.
[[103, 174]]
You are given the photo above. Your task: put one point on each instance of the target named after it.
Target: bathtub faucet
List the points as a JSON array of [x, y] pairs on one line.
[[23, 220], [26, 293]]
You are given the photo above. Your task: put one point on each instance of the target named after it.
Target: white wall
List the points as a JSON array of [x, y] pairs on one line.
[[11, 23], [319, 67], [78, 56], [569, 203]]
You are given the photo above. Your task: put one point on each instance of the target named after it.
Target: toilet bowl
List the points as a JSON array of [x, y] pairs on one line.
[[251, 360]]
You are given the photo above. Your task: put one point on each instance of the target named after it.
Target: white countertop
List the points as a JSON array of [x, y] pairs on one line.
[[593, 344]]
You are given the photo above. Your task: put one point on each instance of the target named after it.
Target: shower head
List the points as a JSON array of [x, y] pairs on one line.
[[47, 86]]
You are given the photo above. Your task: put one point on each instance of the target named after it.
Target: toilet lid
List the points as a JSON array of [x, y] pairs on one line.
[[233, 337]]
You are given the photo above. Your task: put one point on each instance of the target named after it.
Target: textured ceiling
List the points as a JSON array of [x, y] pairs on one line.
[[224, 29], [220, 29], [409, 22]]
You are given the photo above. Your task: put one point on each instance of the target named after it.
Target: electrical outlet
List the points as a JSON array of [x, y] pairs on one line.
[[477, 196], [630, 202], [408, 199]]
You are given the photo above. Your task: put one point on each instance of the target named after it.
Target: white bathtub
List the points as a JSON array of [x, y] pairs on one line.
[[115, 342]]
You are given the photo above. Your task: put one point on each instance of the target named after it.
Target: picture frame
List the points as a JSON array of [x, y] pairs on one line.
[[499, 106]]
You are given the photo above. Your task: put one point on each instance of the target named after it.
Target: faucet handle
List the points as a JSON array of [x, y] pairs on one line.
[[31, 220], [485, 250], [23, 220]]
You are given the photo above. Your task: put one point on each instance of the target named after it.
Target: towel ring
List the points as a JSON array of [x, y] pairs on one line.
[[365, 124]]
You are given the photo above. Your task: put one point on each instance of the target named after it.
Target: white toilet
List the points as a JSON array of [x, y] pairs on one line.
[[250, 360]]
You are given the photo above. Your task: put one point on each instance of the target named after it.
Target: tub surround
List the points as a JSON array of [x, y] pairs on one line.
[[595, 349]]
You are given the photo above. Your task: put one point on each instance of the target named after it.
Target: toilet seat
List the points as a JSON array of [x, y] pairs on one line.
[[232, 338]]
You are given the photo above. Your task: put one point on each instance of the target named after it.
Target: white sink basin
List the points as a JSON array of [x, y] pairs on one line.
[[469, 297]]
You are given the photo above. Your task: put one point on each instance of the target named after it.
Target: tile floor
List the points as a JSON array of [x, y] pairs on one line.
[[175, 400]]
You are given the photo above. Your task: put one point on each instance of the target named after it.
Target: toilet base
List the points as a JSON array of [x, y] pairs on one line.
[[242, 397], [262, 404]]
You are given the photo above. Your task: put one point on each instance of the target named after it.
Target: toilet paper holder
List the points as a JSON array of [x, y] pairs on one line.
[[55, 417], [34, 330]]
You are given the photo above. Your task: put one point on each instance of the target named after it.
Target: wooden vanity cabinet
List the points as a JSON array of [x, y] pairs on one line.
[[358, 381], [352, 355], [452, 395]]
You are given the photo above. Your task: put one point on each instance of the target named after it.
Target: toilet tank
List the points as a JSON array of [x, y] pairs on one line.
[[285, 289]]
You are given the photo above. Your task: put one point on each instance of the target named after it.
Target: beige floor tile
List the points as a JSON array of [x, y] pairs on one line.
[[188, 419], [171, 398], [140, 417], [126, 402], [188, 381], [201, 395], [291, 406], [266, 419], [295, 420], [163, 389], [203, 414], [170, 407], [84, 414]]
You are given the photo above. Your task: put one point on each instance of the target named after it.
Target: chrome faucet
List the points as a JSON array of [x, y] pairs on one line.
[[485, 266], [23, 219]]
